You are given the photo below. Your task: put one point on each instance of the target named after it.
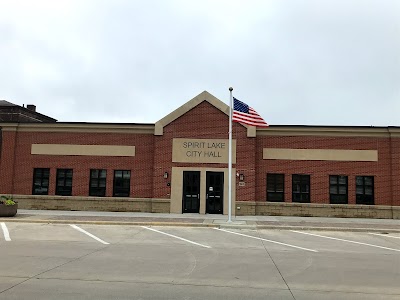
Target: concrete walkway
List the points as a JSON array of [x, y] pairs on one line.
[[196, 220]]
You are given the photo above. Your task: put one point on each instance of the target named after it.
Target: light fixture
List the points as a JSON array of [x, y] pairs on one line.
[[241, 177], [165, 175]]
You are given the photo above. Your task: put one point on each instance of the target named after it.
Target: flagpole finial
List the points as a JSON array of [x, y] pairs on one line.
[[231, 89]]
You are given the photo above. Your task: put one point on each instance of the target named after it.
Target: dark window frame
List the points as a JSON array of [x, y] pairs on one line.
[[338, 197], [95, 182], [364, 198], [301, 196], [274, 193], [119, 191], [41, 178], [64, 189]]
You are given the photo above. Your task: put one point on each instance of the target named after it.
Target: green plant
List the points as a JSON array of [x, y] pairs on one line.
[[7, 200]]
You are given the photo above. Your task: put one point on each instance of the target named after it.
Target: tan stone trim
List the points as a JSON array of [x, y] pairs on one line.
[[320, 154], [317, 210], [158, 129], [9, 126], [316, 205], [204, 96], [202, 150], [77, 127], [85, 150], [251, 131], [324, 131], [177, 188], [394, 132], [89, 198], [120, 204]]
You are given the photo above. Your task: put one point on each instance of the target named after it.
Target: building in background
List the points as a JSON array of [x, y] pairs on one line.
[[10, 112], [179, 165]]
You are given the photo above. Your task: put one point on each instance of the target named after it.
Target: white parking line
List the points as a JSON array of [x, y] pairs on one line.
[[177, 237], [275, 242], [337, 239], [5, 231], [89, 234], [385, 235]]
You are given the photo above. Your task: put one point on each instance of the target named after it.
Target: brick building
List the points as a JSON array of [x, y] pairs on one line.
[[10, 112], [179, 165]]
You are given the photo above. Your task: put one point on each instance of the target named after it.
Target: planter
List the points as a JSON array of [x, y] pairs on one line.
[[8, 210]]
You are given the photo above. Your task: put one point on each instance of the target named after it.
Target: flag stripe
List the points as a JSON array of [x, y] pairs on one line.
[[257, 124], [247, 116], [252, 123], [249, 120], [244, 119]]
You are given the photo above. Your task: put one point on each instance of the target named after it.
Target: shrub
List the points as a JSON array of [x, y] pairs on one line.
[[7, 200]]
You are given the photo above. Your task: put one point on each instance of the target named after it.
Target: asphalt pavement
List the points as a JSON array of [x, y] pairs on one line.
[[90, 261]]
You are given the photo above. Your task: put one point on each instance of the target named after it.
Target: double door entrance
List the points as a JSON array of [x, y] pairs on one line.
[[214, 192]]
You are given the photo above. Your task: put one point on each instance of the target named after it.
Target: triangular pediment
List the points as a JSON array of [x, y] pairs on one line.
[[204, 96], [180, 111]]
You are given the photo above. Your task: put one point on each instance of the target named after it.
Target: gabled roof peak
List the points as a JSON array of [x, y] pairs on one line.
[[204, 96]]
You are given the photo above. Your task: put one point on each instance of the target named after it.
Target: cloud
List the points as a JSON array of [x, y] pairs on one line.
[[295, 62]]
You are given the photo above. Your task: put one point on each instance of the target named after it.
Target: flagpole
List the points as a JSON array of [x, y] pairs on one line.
[[230, 158]]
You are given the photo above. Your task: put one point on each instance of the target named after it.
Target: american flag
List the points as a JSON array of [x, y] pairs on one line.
[[243, 113]]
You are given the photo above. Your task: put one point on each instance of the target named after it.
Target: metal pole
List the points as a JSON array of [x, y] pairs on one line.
[[230, 158]]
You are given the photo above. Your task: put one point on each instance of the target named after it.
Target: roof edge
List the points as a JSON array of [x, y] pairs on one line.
[[79, 127], [350, 131]]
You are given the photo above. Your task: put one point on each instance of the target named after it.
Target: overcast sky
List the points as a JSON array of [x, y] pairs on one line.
[[315, 62]]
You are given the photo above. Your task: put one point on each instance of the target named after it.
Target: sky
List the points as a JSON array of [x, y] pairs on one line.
[[296, 62]]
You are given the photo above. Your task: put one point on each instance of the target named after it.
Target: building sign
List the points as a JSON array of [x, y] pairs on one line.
[[202, 150]]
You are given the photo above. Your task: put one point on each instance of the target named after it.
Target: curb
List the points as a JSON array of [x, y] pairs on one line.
[[316, 228], [44, 221], [206, 225]]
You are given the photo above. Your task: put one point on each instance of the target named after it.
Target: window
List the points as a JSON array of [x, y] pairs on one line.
[[64, 182], [338, 189], [122, 182], [97, 185], [365, 190], [275, 190], [40, 181], [301, 188]]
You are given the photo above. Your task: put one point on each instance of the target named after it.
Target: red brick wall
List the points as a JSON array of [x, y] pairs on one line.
[[395, 170], [140, 165], [7, 161], [320, 170], [154, 157], [204, 122]]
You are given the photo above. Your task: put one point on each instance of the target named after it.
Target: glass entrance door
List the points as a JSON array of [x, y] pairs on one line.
[[191, 192], [214, 192]]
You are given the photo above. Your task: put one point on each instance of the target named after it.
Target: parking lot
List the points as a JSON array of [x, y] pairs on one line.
[[68, 261]]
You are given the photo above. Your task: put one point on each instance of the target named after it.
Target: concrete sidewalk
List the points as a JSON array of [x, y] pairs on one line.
[[196, 220]]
